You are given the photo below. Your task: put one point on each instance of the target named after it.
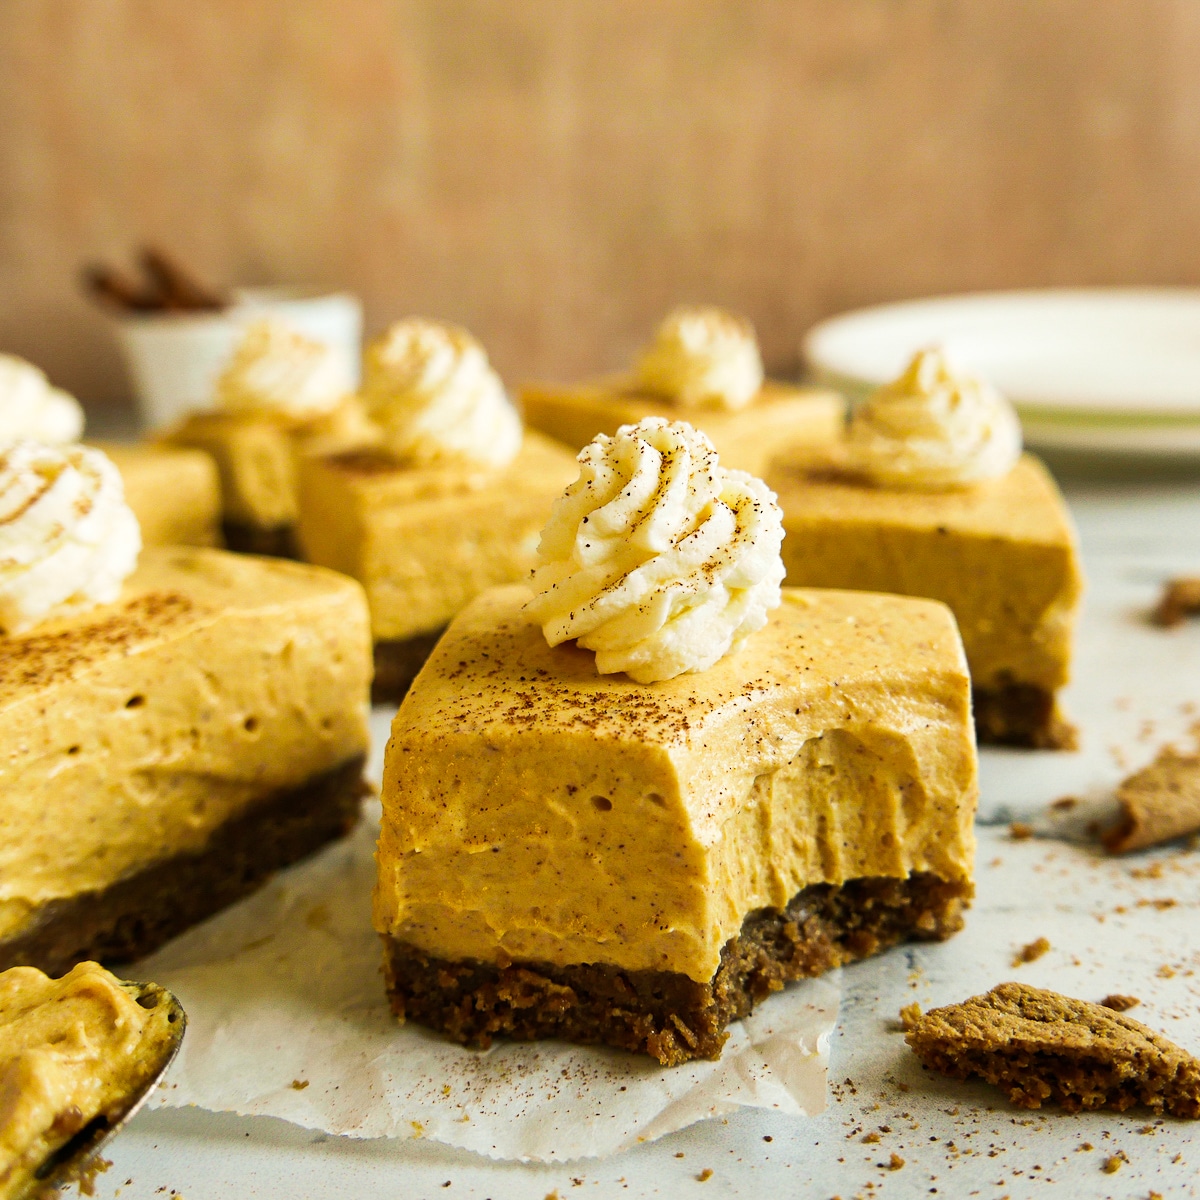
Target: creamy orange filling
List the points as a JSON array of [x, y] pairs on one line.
[[1001, 554], [71, 1049], [534, 810], [131, 733]]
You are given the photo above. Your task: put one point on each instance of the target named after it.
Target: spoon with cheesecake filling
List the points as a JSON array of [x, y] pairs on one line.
[[78, 1057]]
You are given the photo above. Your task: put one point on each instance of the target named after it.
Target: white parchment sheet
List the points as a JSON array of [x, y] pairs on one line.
[[287, 1017]]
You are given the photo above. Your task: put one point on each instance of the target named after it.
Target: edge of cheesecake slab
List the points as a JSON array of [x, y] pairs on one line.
[[137, 914], [666, 1014]]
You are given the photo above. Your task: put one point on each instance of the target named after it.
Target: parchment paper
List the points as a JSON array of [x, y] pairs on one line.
[[287, 1018]]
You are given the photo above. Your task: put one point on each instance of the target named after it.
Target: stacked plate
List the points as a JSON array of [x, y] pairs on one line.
[[1101, 370]]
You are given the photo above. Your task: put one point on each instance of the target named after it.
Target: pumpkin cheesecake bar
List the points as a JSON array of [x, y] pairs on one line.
[[170, 733], [703, 366], [281, 396], [450, 503], [930, 495], [174, 492], [601, 824]]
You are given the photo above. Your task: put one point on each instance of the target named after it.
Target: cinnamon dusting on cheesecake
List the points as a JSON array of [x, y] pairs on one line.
[[39, 658]]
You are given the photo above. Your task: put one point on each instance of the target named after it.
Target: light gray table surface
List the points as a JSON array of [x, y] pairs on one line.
[[1113, 926]]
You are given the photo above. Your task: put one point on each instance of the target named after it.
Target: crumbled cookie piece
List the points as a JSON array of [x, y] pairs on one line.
[[1119, 1003], [1159, 803], [1041, 1047], [1020, 831], [1180, 599], [1031, 952]]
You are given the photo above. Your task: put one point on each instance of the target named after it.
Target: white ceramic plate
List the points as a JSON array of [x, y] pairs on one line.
[[1100, 369]]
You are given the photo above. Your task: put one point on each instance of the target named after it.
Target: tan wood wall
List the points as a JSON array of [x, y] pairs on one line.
[[555, 173]]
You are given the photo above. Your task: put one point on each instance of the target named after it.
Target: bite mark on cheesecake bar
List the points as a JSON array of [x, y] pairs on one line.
[[666, 1014], [1040, 1047]]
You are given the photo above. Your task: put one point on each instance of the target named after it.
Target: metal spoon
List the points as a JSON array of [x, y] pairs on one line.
[[73, 1160]]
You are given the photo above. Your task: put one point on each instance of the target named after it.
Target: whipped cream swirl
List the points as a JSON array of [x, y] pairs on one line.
[[430, 388], [934, 428], [68, 540], [30, 407], [277, 370], [657, 557], [703, 358]]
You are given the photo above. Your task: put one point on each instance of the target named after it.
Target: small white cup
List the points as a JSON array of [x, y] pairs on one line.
[[175, 358]]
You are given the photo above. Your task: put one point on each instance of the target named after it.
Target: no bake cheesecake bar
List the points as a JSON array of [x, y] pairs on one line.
[[942, 504], [281, 396], [564, 854], [450, 502], [161, 754], [175, 493], [626, 805], [424, 540], [703, 365]]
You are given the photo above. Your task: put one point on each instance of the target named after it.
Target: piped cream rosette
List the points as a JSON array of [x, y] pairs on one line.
[[703, 358], [68, 540], [430, 388], [657, 557], [31, 408], [277, 370], [934, 428]]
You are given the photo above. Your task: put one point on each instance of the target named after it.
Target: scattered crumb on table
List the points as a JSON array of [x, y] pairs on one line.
[[1120, 1003], [1180, 599], [1031, 952]]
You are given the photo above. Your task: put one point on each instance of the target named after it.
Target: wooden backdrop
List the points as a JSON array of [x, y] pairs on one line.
[[555, 173]]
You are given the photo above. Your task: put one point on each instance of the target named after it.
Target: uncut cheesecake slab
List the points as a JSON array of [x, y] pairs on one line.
[[1002, 554], [780, 416], [161, 756], [565, 854], [423, 541]]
